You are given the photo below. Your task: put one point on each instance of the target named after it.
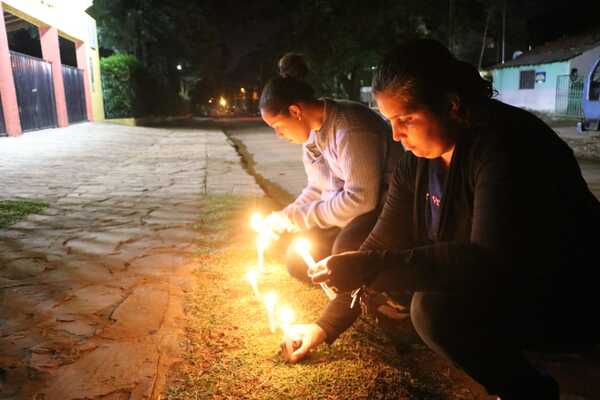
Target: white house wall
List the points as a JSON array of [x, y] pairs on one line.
[[541, 98]]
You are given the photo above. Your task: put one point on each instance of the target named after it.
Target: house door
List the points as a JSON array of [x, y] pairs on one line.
[[74, 93], [35, 92]]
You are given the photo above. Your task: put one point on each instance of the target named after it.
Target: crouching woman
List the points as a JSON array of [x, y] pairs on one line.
[[488, 223]]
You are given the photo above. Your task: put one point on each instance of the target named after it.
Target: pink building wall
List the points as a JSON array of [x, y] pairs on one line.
[[8, 92], [51, 53], [82, 63]]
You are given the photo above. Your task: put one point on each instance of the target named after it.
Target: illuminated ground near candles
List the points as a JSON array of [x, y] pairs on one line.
[[230, 352]]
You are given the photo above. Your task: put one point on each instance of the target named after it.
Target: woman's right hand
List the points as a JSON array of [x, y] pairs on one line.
[[347, 271], [310, 335]]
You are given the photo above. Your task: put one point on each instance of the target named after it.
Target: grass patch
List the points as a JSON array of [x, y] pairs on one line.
[[231, 354], [12, 211]]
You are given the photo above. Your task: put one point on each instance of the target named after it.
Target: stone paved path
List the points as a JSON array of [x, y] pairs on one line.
[[91, 289], [273, 158]]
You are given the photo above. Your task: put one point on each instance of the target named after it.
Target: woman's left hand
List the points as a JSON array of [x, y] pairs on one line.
[[278, 223], [346, 271]]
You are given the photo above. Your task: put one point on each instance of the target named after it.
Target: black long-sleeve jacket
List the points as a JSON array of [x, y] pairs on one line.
[[517, 219]]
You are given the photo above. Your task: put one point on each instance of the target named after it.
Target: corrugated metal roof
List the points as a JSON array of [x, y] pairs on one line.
[[560, 50]]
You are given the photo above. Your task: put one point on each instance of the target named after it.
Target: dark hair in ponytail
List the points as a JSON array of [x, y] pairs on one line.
[[424, 74], [288, 88]]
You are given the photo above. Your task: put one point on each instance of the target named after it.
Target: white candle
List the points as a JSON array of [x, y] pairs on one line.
[[270, 303], [286, 319], [261, 244], [302, 246], [252, 277]]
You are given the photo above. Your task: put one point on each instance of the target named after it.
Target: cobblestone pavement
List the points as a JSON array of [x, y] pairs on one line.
[[91, 289]]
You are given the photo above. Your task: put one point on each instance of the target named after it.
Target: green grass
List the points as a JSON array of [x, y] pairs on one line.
[[12, 211], [231, 354]]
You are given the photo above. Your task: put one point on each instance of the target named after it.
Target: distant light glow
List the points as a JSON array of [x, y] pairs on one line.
[[179, 67], [222, 102], [243, 90]]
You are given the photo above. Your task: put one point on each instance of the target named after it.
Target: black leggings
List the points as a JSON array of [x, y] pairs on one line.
[[487, 339], [325, 242]]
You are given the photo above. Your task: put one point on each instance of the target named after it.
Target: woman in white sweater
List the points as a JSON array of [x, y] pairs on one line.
[[348, 157]]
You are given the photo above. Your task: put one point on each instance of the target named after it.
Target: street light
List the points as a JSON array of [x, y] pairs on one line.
[[179, 67], [222, 102]]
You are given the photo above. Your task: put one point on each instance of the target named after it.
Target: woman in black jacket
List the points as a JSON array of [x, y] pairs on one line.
[[488, 223]]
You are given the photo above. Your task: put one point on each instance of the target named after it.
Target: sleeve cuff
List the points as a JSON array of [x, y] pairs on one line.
[[330, 334]]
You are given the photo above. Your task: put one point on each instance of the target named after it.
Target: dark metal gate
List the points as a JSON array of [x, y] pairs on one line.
[[569, 95], [74, 93], [35, 92]]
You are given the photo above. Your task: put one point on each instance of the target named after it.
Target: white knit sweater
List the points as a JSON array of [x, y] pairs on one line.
[[346, 163]]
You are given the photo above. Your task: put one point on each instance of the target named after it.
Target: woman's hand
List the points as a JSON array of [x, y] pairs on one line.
[[278, 223], [347, 271], [309, 336]]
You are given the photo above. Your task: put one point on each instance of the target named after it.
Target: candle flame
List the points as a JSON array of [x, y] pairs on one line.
[[302, 246], [286, 318], [263, 241], [252, 277], [257, 222], [270, 299]]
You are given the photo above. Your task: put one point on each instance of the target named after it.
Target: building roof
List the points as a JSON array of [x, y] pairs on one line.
[[556, 51]]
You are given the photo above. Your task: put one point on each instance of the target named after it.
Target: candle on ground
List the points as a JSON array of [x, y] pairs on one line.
[[270, 300], [252, 277], [286, 319], [261, 244], [257, 222]]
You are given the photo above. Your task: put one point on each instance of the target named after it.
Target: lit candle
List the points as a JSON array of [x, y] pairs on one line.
[[302, 246], [261, 244], [252, 277], [286, 319], [270, 302], [257, 222], [291, 340]]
